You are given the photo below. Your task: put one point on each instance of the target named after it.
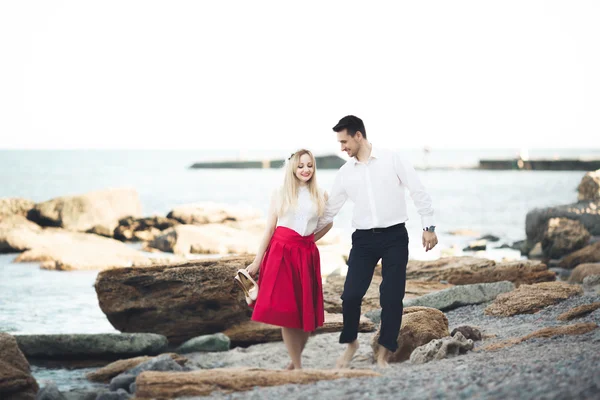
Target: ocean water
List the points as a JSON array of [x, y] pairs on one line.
[[35, 301], [38, 301]]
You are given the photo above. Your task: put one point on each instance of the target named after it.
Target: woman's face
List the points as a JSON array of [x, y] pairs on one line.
[[305, 168]]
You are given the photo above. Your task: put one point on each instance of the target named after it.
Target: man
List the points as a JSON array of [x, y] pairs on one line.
[[375, 179]]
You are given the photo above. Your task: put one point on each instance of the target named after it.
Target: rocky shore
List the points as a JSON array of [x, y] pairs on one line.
[[472, 327]]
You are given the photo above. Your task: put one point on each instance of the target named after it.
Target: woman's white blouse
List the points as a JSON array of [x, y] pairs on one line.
[[303, 218]]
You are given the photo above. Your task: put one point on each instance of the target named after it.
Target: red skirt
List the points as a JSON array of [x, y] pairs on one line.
[[290, 292]]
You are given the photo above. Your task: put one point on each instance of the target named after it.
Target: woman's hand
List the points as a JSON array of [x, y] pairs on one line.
[[253, 269]]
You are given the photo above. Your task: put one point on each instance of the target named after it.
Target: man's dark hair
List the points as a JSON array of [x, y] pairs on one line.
[[352, 124]]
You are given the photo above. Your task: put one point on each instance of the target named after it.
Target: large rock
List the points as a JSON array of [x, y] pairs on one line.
[[251, 332], [63, 250], [164, 385], [106, 373], [462, 295], [589, 187], [470, 270], [83, 212], [529, 299], [575, 329], [14, 206], [179, 301], [211, 213], [420, 325], [589, 254], [334, 286], [206, 239], [562, 236], [16, 233], [584, 270], [586, 212], [107, 346], [439, 349], [142, 229], [16, 381]]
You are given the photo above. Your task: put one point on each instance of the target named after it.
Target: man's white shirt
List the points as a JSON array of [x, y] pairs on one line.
[[377, 188]]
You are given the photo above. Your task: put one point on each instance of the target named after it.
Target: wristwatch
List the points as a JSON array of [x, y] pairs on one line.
[[430, 228]]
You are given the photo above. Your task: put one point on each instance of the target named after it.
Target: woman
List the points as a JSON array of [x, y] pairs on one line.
[[290, 293]]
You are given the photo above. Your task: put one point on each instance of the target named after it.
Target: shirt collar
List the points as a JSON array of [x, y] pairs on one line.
[[374, 154]]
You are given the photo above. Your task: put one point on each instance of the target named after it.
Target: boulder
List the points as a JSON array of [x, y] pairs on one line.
[[206, 239], [461, 295], [420, 325], [63, 250], [251, 332], [14, 206], [589, 254], [529, 299], [206, 343], [165, 385], [50, 392], [179, 301], [105, 346], [589, 187], [17, 233], [584, 270], [578, 311], [586, 212], [478, 245], [471, 270], [334, 286], [83, 212], [142, 229], [160, 363], [16, 381], [562, 236], [212, 213], [469, 332], [439, 349], [106, 373]]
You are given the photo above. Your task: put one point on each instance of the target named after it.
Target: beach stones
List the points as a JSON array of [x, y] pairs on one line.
[[211, 213], [106, 373], [206, 343], [589, 254], [469, 332]]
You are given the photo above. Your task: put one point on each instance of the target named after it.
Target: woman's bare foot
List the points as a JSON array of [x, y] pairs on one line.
[[346, 357], [383, 357], [290, 366]]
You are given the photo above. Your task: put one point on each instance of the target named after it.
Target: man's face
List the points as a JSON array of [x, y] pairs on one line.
[[349, 144]]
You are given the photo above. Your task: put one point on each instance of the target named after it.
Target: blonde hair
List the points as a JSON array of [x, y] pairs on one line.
[[288, 195]]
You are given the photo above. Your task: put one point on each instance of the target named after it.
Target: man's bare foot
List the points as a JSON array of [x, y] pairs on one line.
[[382, 357], [346, 357]]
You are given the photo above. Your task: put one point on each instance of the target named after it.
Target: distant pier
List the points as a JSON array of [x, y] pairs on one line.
[[541, 164], [323, 162]]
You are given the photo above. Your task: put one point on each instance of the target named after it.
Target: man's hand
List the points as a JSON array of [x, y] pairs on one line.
[[429, 240]]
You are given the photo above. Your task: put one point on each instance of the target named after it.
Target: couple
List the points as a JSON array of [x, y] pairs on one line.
[[290, 293]]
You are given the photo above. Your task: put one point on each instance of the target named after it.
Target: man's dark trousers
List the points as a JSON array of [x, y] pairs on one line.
[[368, 247]]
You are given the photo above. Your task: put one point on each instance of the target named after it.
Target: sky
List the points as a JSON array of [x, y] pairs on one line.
[[278, 75]]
